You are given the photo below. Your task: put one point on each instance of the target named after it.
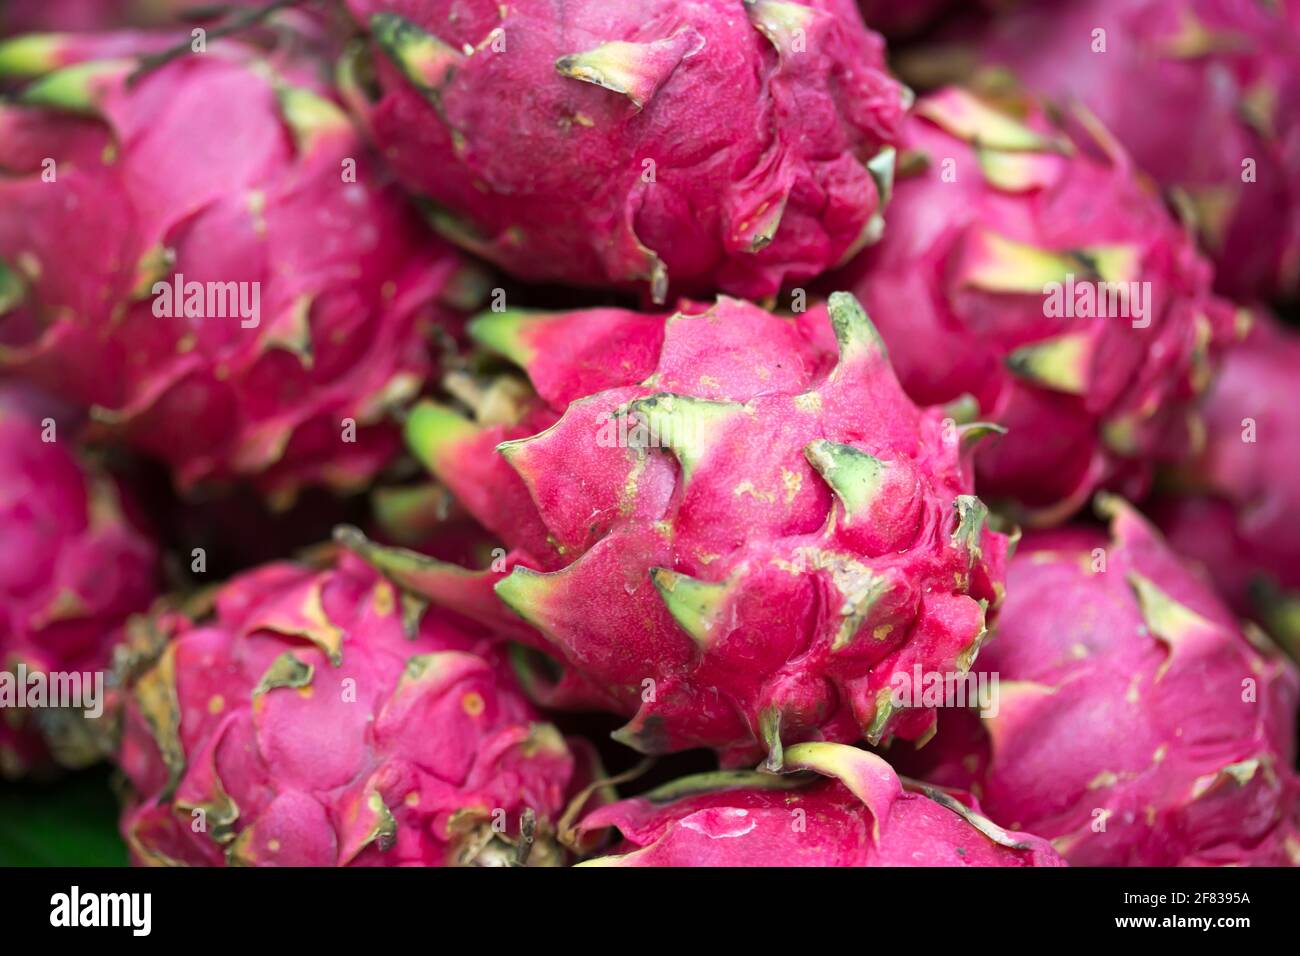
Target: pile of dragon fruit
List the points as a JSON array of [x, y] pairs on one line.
[[654, 432]]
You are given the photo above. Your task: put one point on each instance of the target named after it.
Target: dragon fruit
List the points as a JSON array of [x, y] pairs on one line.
[[1136, 724], [317, 719], [723, 532], [1238, 507], [859, 813], [200, 264], [32, 16], [1028, 268], [1194, 89], [710, 145], [73, 566], [29, 16]]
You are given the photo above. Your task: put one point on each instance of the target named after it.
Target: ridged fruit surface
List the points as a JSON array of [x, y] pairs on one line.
[[73, 566], [698, 146], [1205, 96], [309, 287], [856, 813], [725, 532], [1236, 509], [315, 718], [1030, 267], [1136, 724]]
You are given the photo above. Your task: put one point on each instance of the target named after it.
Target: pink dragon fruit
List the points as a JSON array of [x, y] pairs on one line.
[[211, 259], [32, 16], [1028, 268], [861, 814], [72, 568], [1206, 97], [721, 530], [29, 16], [1239, 515], [709, 145], [36, 54], [318, 720], [1135, 724]]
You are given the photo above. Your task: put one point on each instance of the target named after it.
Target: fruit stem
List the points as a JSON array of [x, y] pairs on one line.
[[527, 836], [239, 22]]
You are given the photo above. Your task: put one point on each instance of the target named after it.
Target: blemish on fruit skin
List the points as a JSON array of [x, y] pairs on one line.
[[746, 487], [29, 265], [793, 481], [412, 799], [1131, 695], [273, 845], [256, 208], [216, 704], [1107, 778], [384, 600], [472, 703], [808, 402]]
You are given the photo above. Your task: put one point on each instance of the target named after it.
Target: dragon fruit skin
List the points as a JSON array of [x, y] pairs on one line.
[[959, 292], [1192, 88], [749, 568], [72, 564], [1240, 515], [313, 731], [86, 16], [1128, 696], [30, 16], [709, 145], [860, 814], [255, 193]]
